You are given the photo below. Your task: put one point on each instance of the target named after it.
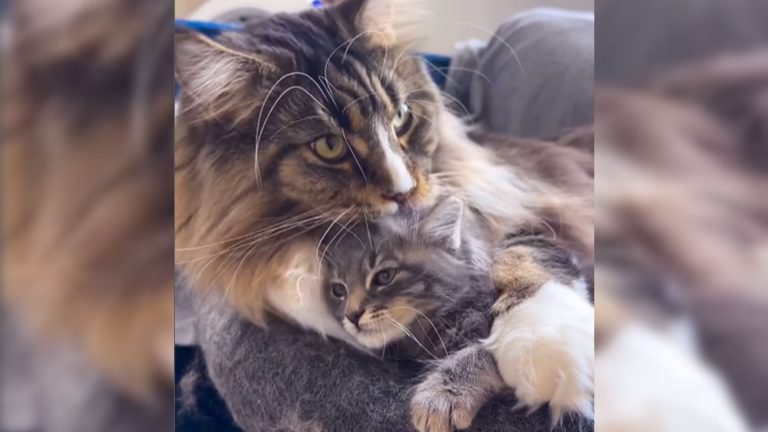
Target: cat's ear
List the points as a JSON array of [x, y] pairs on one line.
[[217, 76], [442, 226], [387, 22]]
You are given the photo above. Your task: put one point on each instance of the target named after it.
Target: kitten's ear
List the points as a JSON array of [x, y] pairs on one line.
[[215, 74], [442, 226], [388, 22]]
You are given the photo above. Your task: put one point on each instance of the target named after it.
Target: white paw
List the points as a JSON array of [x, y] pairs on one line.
[[544, 348]]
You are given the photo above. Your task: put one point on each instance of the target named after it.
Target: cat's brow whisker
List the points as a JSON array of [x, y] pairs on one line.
[[357, 99], [495, 36], [269, 114], [354, 156], [259, 127], [403, 54], [291, 124], [476, 72], [458, 102]]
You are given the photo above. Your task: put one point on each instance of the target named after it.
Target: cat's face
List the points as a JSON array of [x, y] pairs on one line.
[[316, 108], [379, 282]]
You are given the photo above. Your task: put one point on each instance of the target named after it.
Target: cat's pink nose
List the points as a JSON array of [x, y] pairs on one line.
[[399, 197]]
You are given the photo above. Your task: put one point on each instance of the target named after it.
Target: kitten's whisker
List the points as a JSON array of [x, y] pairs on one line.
[[410, 335], [434, 327]]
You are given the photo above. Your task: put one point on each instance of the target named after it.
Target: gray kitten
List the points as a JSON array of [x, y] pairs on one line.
[[419, 288], [415, 287]]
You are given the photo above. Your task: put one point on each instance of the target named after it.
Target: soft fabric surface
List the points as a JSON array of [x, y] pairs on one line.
[[535, 77], [286, 379]]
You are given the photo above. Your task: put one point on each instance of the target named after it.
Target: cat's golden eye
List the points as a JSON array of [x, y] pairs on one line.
[[384, 277], [338, 290], [329, 149], [402, 119]]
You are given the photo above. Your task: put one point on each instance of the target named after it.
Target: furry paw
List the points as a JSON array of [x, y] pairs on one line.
[[440, 407], [544, 348]]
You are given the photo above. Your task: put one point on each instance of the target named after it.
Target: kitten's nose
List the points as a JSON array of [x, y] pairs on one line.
[[354, 316], [398, 197]]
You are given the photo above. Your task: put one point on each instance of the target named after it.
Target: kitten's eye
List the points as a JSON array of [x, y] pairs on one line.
[[402, 119], [338, 290], [384, 277], [330, 149]]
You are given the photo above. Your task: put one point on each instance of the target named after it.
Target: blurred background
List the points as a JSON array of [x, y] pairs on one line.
[[447, 21]]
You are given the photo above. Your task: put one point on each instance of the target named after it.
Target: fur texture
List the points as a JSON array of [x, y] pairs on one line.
[[252, 194], [545, 350]]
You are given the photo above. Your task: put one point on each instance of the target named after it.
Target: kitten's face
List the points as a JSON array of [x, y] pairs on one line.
[[378, 289], [334, 118]]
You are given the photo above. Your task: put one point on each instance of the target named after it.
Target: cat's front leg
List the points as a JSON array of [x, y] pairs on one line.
[[453, 392], [543, 332]]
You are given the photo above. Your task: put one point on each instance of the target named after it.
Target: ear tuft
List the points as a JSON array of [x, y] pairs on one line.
[[389, 22], [214, 74], [442, 226]]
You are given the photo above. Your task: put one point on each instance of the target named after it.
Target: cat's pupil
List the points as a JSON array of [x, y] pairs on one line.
[[338, 290]]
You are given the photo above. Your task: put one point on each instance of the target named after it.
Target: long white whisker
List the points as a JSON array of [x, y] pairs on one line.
[[494, 35], [354, 156], [410, 335], [430, 323], [261, 111], [333, 222]]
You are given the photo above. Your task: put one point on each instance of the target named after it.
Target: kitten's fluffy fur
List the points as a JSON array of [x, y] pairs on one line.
[[440, 294]]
